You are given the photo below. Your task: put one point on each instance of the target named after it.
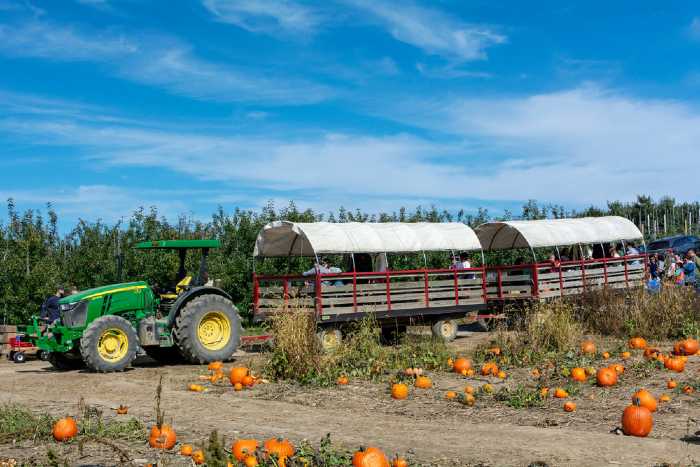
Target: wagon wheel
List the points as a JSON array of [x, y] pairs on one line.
[[329, 338], [445, 329]]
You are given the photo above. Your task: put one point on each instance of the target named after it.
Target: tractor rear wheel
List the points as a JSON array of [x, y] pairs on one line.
[[208, 329], [64, 362], [109, 344]]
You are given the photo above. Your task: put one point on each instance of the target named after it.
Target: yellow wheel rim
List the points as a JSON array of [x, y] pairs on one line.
[[447, 328], [113, 345], [214, 330]]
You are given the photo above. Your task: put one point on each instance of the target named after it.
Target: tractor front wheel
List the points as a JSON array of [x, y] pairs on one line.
[[109, 344], [208, 329]]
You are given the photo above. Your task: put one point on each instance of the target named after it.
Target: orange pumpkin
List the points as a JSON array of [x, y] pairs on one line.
[[244, 447], [195, 388], [489, 368], [637, 343], [502, 374], [544, 392], [625, 355], [248, 381], [619, 369], [238, 387], [450, 395], [606, 377], [569, 406], [637, 420], [198, 457], [675, 364], [122, 410], [250, 461], [215, 366], [560, 393], [343, 380], [461, 365], [64, 429], [494, 351], [689, 347], [399, 391], [399, 462], [370, 457], [688, 389], [578, 374], [468, 390], [423, 382], [587, 347], [280, 448], [468, 399], [651, 353], [237, 374], [646, 399], [470, 372], [450, 362], [186, 450], [162, 437], [664, 398], [606, 355], [671, 384]]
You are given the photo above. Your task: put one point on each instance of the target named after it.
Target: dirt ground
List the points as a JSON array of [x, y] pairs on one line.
[[430, 429]]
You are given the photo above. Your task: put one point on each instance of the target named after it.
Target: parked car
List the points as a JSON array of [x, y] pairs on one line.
[[680, 244]]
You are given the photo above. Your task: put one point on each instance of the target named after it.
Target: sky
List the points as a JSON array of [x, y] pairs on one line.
[[109, 105]]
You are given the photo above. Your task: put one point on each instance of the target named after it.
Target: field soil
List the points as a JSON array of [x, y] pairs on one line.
[[430, 429]]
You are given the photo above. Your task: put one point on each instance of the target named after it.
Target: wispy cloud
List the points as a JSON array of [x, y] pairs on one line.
[[159, 61], [274, 17], [431, 30]]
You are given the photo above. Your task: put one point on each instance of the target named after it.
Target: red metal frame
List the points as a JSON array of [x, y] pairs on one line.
[[427, 291]]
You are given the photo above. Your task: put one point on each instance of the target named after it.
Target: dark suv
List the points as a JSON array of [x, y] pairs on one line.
[[680, 244]]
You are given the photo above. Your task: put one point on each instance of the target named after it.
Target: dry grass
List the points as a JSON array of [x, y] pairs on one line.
[[672, 313], [296, 352]]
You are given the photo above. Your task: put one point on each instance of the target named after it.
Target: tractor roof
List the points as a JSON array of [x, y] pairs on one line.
[[178, 244]]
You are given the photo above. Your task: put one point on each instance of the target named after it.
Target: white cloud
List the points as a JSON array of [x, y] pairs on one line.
[[159, 61], [273, 17], [431, 30], [694, 28]]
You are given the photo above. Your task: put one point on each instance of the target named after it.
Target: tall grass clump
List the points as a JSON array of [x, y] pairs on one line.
[[671, 313], [296, 352], [18, 423]]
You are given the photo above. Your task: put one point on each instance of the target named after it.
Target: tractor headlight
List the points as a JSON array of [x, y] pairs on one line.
[[74, 314]]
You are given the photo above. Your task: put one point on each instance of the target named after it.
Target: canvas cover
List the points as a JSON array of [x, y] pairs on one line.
[[282, 238], [556, 232]]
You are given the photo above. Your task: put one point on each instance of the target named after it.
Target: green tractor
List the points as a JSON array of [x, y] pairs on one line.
[[104, 328]]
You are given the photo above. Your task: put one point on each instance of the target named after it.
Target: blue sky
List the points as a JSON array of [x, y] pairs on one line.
[[108, 105]]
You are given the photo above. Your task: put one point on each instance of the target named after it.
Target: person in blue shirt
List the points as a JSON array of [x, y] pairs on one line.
[[690, 270], [50, 310]]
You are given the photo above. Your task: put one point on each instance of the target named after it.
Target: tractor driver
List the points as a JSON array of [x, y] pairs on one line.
[[50, 311]]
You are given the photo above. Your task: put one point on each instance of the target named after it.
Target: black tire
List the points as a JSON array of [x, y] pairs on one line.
[[191, 319], [392, 334], [96, 331], [445, 329], [65, 362], [19, 357], [44, 355], [165, 355]]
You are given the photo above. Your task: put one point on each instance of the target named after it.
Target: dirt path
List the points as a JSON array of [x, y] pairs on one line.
[[448, 440]]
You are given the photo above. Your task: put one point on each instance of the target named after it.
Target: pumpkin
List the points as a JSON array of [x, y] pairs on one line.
[[342, 380], [248, 381], [250, 461], [587, 347], [370, 457], [237, 374], [216, 377], [399, 391], [688, 389], [502, 374], [469, 400], [675, 364], [619, 369], [569, 406], [450, 362], [560, 393], [637, 343], [676, 348], [689, 347], [494, 351], [470, 372], [162, 437], [64, 429], [468, 390], [450, 395], [423, 382], [665, 398], [461, 365], [238, 387], [646, 399], [399, 462], [637, 420], [606, 377], [671, 384], [489, 368], [198, 457], [244, 447], [186, 450], [651, 353], [122, 410], [606, 355], [544, 392], [195, 388], [578, 374], [625, 355], [215, 366], [280, 448], [487, 388]]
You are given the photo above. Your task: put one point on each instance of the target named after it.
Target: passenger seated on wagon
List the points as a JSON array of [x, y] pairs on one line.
[[323, 267], [613, 253], [554, 262], [461, 262]]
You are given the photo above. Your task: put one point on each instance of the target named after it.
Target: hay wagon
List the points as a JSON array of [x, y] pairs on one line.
[[397, 298]]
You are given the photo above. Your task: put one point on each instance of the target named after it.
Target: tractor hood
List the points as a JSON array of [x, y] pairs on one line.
[[104, 290]]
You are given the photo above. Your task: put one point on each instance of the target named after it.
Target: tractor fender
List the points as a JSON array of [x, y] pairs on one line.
[[189, 295]]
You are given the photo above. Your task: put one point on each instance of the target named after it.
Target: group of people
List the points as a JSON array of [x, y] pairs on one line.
[[50, 310], [674, 268]]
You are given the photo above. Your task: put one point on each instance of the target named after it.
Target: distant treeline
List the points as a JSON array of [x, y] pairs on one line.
[[35, 257]]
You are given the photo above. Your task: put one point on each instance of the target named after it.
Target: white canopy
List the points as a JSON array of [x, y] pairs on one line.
[[282, 238], [555, 232]]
